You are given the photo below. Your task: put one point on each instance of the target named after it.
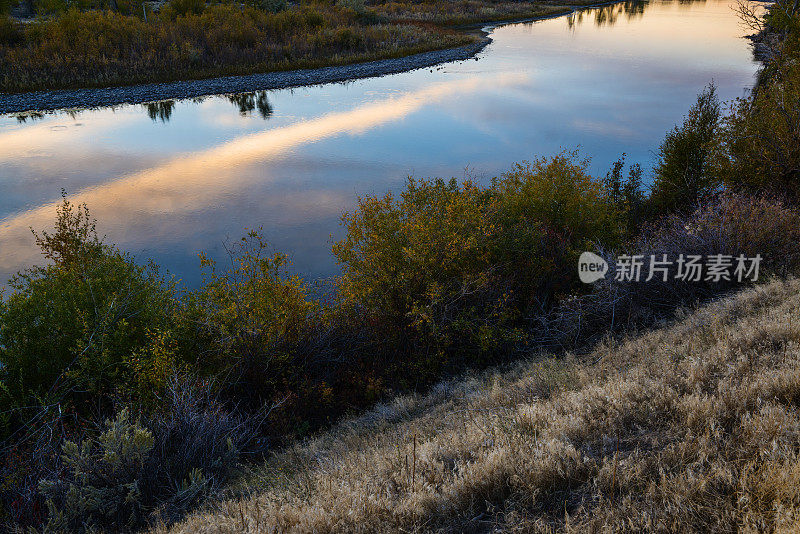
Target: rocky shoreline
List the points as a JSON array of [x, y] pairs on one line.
[[137, 94], [62, 99]]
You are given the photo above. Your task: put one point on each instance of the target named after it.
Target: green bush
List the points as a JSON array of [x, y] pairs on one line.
[[68, 329], [102, 490], [686, 164], [627, 194], [451, 264], [762, 138]]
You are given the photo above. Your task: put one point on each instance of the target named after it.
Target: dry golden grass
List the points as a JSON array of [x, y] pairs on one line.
[[94, 48], [693, 427]]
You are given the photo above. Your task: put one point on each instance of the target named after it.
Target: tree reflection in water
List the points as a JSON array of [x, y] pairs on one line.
[[160, 111], [246, 103], [608, 15]]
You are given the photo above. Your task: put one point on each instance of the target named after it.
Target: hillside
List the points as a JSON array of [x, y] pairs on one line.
[[693, 425]]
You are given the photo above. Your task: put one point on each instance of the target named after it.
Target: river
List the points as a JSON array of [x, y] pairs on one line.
[[168, 180]]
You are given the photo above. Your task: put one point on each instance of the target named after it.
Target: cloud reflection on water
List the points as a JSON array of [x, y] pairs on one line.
[[146, 205]]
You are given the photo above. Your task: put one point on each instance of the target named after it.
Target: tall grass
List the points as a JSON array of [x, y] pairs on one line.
[[113, 42], [99, 48], [690, 428]]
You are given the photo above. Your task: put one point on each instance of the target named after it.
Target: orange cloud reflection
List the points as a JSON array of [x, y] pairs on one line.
[[131, 208]]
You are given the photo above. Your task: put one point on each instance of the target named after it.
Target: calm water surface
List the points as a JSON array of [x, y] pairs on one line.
[[168, 180]]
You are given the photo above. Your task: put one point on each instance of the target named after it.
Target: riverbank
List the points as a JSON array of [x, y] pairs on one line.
[[347, 69], [137, 94]]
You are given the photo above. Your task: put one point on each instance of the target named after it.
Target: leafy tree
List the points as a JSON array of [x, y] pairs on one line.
[[627, 194], [762, 138], [686, 164]]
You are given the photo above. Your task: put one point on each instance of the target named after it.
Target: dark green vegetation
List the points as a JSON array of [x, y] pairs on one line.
[[101, 43], [126, 401]]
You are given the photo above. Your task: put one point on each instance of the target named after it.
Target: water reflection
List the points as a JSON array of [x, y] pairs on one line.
[[247, 102], [169, 179], [609, 15], [33, 116], [194, 182], [160, 111]]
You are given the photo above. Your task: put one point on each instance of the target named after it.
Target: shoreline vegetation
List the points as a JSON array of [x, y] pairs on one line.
[[71, 99], [126, 403], [89, 44]]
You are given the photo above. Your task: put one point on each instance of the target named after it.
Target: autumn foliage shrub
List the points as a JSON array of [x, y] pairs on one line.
[[246, 320], [450, 265], [731, 225]]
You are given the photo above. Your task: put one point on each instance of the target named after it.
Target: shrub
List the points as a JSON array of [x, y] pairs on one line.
[[762, 137], [730, 224], [51, 7], [685, 171], [357, 6], [197, 444], [10, 33], [28, 455], [185, 7], [67, 330], [271, 6], [451, 264], [246, 318], [159, 466], [560, 193], [102, 490]]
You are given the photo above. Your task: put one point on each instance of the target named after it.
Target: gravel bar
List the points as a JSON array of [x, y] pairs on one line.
[[136, 94]]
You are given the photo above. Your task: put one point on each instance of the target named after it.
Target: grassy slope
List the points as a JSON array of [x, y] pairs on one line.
[[695, 425]]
